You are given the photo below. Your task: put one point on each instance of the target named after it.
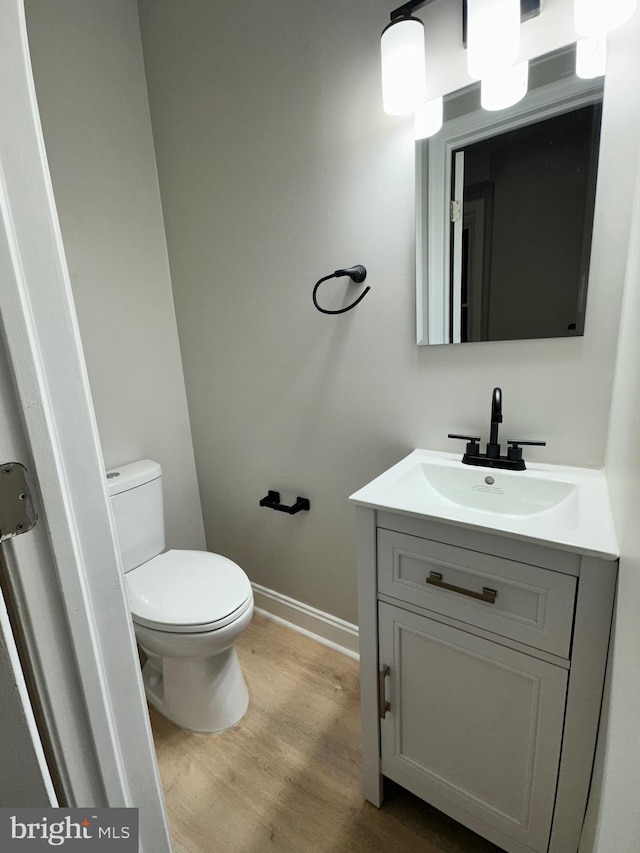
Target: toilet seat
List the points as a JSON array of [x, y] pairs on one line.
[[188, 592]]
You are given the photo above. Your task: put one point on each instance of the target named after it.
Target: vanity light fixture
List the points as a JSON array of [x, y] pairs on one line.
[[505, 88], [597, 17], [594, 19], [429, 117], [493, 36], [493, 44], [491, 31], [403, 62], [591, 57]]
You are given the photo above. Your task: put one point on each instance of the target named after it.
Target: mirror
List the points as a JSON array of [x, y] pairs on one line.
[[504, 212]]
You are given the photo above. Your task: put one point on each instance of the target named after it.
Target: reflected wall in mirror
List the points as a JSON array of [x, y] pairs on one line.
[[505, 212]]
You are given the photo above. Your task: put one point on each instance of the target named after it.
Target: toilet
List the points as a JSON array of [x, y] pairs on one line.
[[188, 609]]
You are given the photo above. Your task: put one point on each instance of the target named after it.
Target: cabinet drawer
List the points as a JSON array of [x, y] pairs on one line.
[[525, 603]]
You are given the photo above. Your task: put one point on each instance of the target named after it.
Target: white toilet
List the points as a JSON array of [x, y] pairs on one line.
[[188, 609]]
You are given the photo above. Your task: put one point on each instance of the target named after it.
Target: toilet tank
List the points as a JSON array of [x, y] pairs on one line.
[[136, 497]]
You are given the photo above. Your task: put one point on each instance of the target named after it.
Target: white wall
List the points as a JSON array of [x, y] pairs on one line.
[[617, 826], [91, 90], [277, 166]]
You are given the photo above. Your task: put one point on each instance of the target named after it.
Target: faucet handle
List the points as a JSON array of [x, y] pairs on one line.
[[515, 451], [473, 443]]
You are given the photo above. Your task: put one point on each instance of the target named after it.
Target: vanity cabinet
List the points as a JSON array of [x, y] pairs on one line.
[[482, 669]]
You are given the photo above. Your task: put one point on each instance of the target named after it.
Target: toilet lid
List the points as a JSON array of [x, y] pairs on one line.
[[187, 591]]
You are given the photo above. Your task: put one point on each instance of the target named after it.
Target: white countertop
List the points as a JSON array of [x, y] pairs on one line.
[[556, 505]]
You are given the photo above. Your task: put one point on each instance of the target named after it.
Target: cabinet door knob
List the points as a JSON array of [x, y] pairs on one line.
[[383, 705]]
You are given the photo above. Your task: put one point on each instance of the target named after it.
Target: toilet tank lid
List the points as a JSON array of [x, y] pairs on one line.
[[133, 474]]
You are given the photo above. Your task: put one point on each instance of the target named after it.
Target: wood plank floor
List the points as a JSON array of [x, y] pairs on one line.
[[287, 778]]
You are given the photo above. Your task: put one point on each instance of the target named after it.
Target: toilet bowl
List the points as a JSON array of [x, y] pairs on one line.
[[188, 610]]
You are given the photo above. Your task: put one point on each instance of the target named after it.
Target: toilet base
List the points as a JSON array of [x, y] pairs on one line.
[[205, 695]]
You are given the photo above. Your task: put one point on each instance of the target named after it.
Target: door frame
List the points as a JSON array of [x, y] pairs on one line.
[[92, 705]]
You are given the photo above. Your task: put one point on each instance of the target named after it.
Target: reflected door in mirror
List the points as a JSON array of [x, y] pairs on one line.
[[521, 230]]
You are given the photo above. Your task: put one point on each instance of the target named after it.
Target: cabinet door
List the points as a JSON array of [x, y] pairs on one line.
[[474, 728]]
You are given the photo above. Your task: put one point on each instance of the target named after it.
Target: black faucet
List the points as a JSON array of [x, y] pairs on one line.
[[493, 448], [513, 461]]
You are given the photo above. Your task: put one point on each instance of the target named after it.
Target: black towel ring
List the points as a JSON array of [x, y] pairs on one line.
[[357, 274]]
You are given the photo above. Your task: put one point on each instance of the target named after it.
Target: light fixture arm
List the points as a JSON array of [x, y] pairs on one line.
[[407, 8], [528, 9]]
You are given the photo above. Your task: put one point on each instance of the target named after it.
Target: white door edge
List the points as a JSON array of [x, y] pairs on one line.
[[43, 346]]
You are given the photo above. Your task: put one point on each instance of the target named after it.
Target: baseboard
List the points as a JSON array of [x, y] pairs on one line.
[[323, 627]]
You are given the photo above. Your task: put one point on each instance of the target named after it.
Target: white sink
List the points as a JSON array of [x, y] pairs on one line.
[[552, 504]]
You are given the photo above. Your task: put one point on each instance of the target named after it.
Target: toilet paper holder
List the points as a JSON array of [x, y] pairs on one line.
[[272, 501]]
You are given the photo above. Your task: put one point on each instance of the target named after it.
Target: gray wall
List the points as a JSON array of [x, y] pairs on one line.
[[619, 824], [91, 90], [618, 817], [277, 166]]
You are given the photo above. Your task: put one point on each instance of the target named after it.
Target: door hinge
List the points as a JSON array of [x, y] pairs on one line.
[[456, 211], [16, 507]]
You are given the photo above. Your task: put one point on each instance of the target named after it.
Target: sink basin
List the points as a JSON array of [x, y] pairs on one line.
[[503, 492], [553, 504]]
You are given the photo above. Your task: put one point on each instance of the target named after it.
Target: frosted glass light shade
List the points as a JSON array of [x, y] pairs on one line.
[[493, 36], [595, 17], [403, 66], [506, 88], [591, 57], [428, 119]]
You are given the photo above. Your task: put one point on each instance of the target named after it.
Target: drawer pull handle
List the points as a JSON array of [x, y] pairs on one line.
[[488, 595], [383, 705]]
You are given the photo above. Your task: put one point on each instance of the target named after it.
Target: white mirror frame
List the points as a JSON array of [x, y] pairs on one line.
[[433, 182]]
